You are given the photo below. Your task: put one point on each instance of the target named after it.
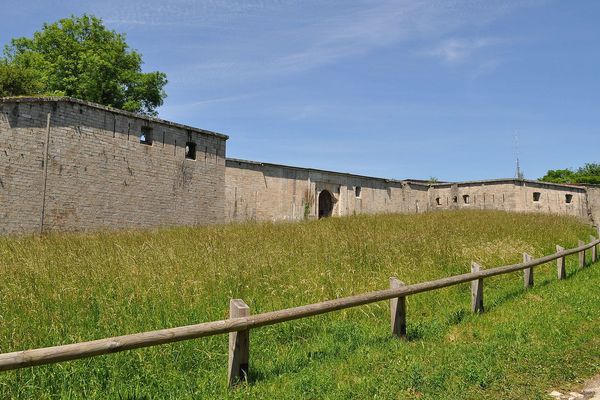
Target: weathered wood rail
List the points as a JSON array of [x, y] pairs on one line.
[[241, 321]]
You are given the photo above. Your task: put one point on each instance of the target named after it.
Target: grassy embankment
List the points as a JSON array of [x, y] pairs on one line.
[[68, 288]]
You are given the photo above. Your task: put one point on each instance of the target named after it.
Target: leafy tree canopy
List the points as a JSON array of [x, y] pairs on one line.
[[589, 173], [15, 80], [79, 57]]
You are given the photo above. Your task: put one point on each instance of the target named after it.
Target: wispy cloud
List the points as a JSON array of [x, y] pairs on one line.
[[364, 113], [307, 42], [158, 13], [458, 50], [212, 47], [175, 110]]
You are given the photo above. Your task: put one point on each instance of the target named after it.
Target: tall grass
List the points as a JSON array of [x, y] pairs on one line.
[[67, 288]]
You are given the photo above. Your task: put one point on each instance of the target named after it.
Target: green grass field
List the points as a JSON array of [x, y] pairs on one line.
[[64, 288]]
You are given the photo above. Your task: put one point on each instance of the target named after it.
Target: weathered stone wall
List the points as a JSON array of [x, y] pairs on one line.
[[262, 191], [551, 199], [21, 169], [481, 196], [593, 199], [511, 195], [99, 175]]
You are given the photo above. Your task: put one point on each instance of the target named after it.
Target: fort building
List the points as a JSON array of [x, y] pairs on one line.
[[71, 165], [263, 191]]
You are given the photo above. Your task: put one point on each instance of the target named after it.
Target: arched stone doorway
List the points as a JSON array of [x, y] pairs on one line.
[[325, 204]]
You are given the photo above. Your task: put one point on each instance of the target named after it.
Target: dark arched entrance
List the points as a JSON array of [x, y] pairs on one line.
[[325, 204]]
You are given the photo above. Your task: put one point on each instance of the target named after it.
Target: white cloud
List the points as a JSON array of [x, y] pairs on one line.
[[458, 50], [307, 41], [174, 111], [159, 13]]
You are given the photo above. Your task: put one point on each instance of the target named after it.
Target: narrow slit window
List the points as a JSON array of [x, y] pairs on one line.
[[568, 198], [466, 199], [190, 150], [357, 192], [455, 199], [146, 136], [536, 196]]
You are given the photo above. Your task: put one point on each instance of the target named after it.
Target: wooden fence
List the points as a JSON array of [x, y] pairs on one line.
[[240, 321]]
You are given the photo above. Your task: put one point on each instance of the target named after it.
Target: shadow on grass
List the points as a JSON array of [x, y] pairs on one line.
[[514, 294], [349, 339]]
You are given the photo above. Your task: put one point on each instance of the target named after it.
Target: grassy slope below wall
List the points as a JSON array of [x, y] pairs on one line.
[[68, 288]]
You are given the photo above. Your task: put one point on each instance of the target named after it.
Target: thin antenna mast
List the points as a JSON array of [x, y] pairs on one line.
[[518, 173]]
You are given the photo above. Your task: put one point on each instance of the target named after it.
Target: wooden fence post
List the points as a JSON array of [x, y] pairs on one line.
[[594, 250], [398, 310], [239, 345], [527, 272], [581, 255], [476, 290], [560, 264], [596, 246]]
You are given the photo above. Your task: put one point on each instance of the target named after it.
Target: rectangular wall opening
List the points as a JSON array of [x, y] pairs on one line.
[[536, 196], [190, 150], [568, 198], [146, 136]]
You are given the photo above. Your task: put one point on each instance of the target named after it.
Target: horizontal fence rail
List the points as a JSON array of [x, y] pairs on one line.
[[239, 343]]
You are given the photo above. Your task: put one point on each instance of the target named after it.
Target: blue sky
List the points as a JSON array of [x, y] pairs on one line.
[[390, 88]]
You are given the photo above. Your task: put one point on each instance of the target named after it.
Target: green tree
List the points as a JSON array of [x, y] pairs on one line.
[[79, 57], [591, 169], [559, 176], [15, 80], [589, 173]]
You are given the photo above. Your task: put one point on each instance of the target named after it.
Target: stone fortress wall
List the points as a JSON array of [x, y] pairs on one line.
[[110, 169], [593, 199], [263, 191], [98, 174]]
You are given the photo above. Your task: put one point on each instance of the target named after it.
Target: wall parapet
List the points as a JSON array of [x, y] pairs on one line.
[[112, 110]]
